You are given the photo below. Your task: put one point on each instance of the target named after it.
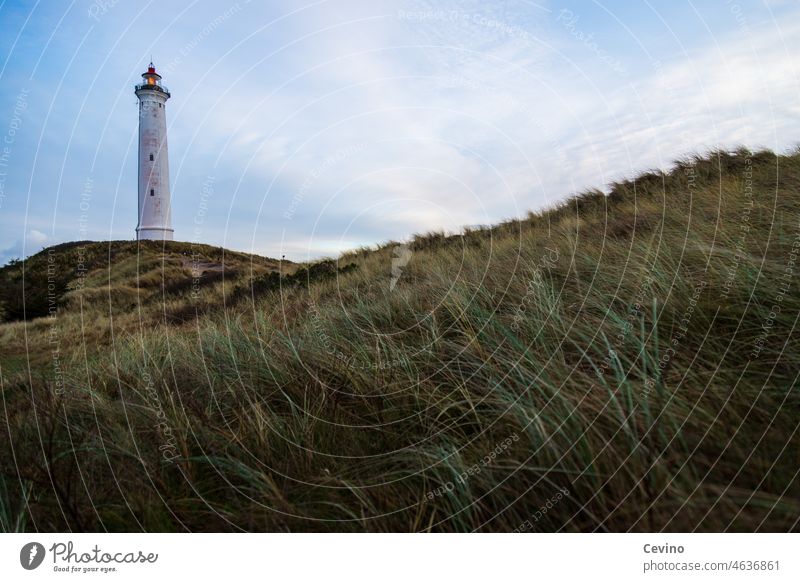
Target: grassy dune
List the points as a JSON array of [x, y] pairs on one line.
[[626, 361]]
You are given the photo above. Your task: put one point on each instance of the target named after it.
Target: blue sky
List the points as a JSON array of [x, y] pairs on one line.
[[305, 128]]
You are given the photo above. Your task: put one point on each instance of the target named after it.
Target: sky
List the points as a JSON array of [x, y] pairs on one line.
[[307, 128]]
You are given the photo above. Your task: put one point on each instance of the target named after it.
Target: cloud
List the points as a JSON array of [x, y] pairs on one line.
[[480, 115], [336, 124], [33, 242]]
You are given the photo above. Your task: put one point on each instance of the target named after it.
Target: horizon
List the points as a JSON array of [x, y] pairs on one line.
[[329, 128], [410, 238]]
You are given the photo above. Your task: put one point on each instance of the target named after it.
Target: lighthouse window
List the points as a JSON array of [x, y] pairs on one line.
[[151, 157], [152, 192]]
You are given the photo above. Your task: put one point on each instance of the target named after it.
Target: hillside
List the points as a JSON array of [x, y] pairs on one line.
[[625, 361], [88, 285]]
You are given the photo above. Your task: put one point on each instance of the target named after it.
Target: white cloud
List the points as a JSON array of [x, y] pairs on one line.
[[34, 241], [36, 238], [490, 122], [436, 114]]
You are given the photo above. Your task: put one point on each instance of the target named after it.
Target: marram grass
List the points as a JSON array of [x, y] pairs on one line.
[[625, 361]]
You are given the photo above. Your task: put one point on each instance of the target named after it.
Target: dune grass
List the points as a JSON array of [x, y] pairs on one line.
[[625, 361]]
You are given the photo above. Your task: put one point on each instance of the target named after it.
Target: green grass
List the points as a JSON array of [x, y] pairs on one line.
[[613, 348]]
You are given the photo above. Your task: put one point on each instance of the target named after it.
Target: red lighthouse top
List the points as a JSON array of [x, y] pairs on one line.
[[152, 80], [151, 71]]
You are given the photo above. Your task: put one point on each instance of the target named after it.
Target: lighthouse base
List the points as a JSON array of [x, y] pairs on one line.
[[154, 233]]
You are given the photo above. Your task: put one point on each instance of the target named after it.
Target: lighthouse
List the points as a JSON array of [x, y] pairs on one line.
[[155, 220]]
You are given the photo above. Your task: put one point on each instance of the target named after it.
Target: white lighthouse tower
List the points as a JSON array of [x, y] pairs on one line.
[[155, 220]]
